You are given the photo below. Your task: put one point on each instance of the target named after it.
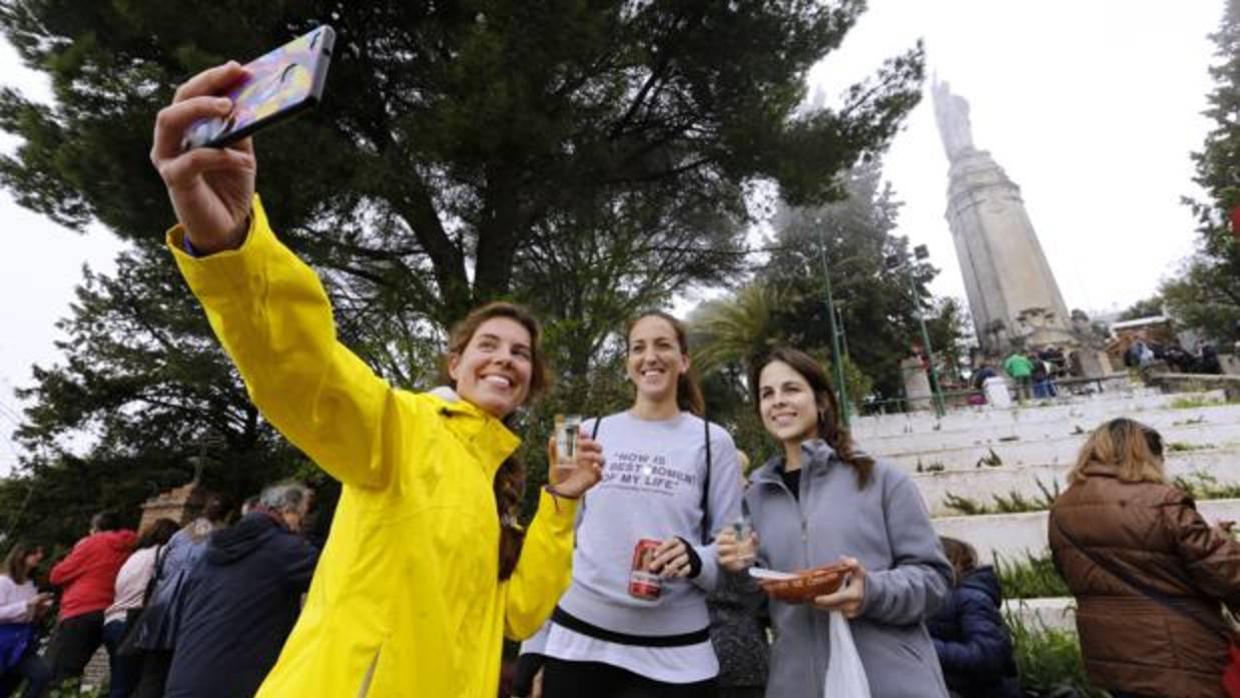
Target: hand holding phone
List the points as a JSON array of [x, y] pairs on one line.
[[211, 188], [278, 85]]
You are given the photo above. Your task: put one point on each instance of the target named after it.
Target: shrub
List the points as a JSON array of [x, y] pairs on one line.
[[1030, 578], [1048, 659]]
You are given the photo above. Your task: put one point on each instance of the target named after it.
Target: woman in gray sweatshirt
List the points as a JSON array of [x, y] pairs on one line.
[[671, 478], [823, 501]]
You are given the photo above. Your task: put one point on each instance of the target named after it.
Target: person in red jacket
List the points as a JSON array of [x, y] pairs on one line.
[[88, 577]]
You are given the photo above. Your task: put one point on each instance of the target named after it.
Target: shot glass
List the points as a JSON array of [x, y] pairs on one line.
[[567, 429], [743, 528]]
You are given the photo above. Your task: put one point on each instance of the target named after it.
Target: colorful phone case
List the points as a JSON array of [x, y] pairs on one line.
[[281, 84]]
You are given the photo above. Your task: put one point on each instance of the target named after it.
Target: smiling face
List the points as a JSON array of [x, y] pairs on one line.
[[493, 371], [787, 403], [655, 360]]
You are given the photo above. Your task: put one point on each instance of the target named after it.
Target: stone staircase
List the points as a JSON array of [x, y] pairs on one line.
[[1009, 463]]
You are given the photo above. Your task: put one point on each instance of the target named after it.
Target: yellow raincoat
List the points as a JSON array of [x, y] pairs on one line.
[[406, 599]]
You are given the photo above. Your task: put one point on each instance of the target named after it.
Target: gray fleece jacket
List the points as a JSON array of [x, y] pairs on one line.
[[886, 527]]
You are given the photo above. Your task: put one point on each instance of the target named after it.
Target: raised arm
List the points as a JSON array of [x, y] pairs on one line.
[[545, 568], [273, 317], [268, 309], [69, 568]]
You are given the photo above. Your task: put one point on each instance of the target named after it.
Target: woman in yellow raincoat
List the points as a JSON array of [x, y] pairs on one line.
[[425, 571]]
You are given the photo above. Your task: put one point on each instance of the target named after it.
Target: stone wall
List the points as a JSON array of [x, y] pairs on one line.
[[181, 504]]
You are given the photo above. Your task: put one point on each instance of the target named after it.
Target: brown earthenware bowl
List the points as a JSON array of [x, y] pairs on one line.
[[807, 584]]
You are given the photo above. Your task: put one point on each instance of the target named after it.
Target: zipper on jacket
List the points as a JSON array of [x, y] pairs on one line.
[[370, 675]]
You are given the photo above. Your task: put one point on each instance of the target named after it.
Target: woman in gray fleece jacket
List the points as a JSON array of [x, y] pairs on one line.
[[821, 502]]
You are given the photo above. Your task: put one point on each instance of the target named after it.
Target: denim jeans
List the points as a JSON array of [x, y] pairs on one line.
[[33, 669], [126, 670]]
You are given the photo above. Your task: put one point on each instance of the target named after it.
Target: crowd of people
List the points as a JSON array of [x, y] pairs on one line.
[[1142, 352], [187, 611], [1022, 374], [647, 537]]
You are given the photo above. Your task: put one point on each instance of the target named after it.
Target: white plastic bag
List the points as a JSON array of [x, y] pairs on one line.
[[845, 674]]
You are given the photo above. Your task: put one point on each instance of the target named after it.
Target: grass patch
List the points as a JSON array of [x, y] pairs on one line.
[[1030, 578], [1188, 403], [965, 505], [1182, 446], [1013, 502], [1189, 422], [1048, 660], [991, 459], [1202, 485]]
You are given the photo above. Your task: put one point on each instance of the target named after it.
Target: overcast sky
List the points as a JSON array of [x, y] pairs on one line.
[[1091, 106]]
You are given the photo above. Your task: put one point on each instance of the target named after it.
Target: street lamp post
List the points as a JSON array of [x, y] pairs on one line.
[[837, 357]]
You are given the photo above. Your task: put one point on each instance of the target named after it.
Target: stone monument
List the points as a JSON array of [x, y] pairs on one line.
[[1012, 293]]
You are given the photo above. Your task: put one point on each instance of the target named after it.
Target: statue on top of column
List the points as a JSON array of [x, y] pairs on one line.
[[952, 114]]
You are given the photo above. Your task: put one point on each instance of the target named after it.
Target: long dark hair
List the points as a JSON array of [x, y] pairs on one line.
[[509, 482], [688, 390], [15, 562], [829, 427]]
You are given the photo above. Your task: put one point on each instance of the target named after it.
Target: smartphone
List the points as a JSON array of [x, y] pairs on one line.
[[280, 84]]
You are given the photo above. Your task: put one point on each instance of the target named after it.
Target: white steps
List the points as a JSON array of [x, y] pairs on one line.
[[999, 434], [1095, 410], [1015, 537], [981, 485], [1038, 443]]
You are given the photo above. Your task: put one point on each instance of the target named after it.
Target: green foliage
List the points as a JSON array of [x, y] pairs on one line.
[[1182, 446], [1148, 307], [449, 140], [991, 459], [76, 689], [965, 505], [1030, 578], [1200, 484], [736, 330], [1195, 401], [142, 377], [1048, 659], [877, 286], [1014, 502], [590, 173], [1205, 295], [785, 304]]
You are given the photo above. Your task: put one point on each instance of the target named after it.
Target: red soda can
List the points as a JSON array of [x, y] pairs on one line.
[[643, 583]]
